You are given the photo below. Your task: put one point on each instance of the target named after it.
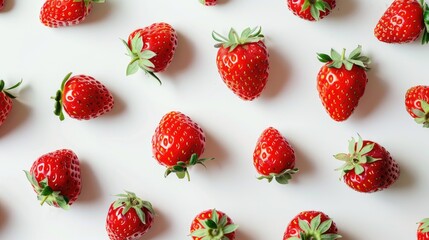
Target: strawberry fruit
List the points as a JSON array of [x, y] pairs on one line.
[[208, 2], [213, 225], [177, 143], [6, 100], [242, 62], [1, 4], [423, 230], [129, 217], [151, 48], [417, 104], [274, 157], [312, 10], [82, 97], [55, 178], [311, 225], [58, 13], [341, 82], [368, 167], [403, 22]]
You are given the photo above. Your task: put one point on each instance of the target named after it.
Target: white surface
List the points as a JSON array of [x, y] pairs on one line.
[[115, 150]]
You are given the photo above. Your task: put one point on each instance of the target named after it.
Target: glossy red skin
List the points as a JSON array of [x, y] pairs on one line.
[[210, 2], [128, 226], [401, 23], [296, 5], [340, 90], [207, 214], [293, 229], [273, 153], [413, 97], [244, 69], [85, 98], [161, 38], [421, 235], [5, 107], [58, 13], [62, 168], [377, 175], [1, 4], [176, 138]]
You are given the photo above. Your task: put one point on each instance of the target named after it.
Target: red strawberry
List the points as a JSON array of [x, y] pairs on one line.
[[6, 100], [341, 82], [83, 98], [403, 22], [58, 13], [151, 48], [368, 166], [208, 2], [312, 10], [417, 104], [423, 230], [55, 178], [129, 217], [177, 143], [213, 225], [1, 4], [242, 62], [274, 157], [311, 225]]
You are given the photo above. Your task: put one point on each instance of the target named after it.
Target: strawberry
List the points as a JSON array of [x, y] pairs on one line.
[[312, 10], [177, 143], [129, 217], [1, 4], [151, 48], [55, 178], [311, 225], [368, 166], [242, 62], [213, 225], [403, 22], [423, 230], [208, 2], [274, 157], [341, 82], [417, 104], [83, 98], [6, 100], [58, 13]]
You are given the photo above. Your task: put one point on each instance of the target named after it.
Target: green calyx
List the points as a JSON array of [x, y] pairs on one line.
[[247, 36], [6, 91], [356, 157], [282, 178], [424, 227], [139, 58], [422, 116], [316, 6], [214, 228], [181, 168], [316, 230], [425, 37], [45, 194], [87, 2], [130, 200], [335, 60], [58, 109]]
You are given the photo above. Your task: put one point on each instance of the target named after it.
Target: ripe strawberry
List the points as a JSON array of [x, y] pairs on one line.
[[242, 62], [213, 225], [1, 4], [151, 48], [341, 82], [274, 157], [177, 143], [311, 225], [403, 22], [423, 230], [55, 178], [58, 13], [6, 100], [373, 167], [83, 98], [208, 2], [312, 10], [129, 217], [417, 104]]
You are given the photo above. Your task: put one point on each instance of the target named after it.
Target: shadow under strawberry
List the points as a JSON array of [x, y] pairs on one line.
[[183, 56], [3, 216], [119, 107], [342, 10], [160, 226], [99, 12], [17, 117], [406, 181], [279, 74], [303, 163], [91, 190], [8, 6], [217, 151]]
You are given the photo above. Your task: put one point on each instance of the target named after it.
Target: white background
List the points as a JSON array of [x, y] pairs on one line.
[[115, 149]]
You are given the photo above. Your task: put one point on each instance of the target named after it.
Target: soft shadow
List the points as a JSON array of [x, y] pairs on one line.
[[3, 216], [302, 162], [243, 235], [183, 56], [222, 2], [345, 235], [214, 149], [8, 6], [99, 12], [160, 226], [119, 106], [406, 179], [342, 10], [278, 74], [91, 190], [18, 115]]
